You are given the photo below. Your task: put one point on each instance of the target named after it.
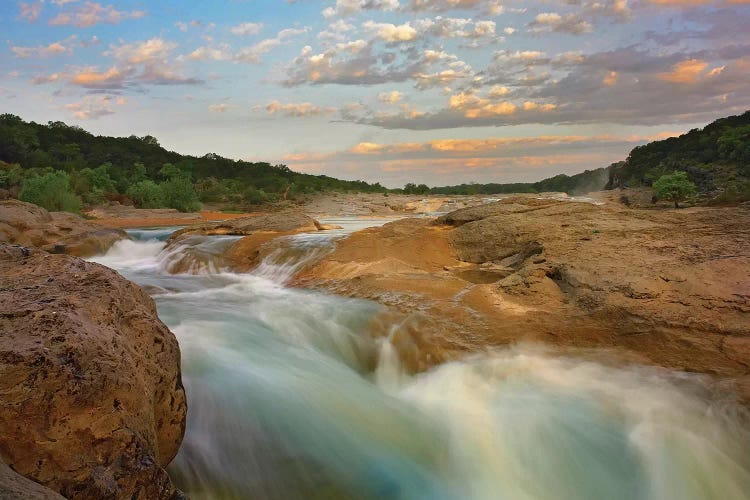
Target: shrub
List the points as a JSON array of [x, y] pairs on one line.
[[178, 193], [51, 191], [146, 194]]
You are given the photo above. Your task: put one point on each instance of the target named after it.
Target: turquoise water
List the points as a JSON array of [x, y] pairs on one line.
[[298, 394]]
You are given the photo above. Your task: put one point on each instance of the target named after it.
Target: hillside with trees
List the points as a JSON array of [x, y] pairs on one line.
[[585, 182], [36, 158], [64, 167], [716, 158]]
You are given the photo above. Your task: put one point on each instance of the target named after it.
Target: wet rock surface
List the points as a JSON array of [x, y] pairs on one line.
[[91, 398], [56, 232]]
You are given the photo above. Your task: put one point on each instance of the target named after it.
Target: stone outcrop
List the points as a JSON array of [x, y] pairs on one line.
[[91, 398], [56, 232], [286, 221], [666, 287]]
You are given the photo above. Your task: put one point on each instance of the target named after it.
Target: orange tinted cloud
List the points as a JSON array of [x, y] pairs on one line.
[[94, 78], [685, 72]]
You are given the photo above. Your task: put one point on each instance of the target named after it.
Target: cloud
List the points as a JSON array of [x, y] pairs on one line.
[[300, 110], [357, 63], [53, 49], [253, 53], [491, 7], [685, 72], [548, 22], [461, 160], [218, 108], [245, 29], [390, 97], [351, 7], [30, 11], [95, 106], [145, 62], [92, 13], [220, 53], [392, 33], [52, 78], [112, 78]]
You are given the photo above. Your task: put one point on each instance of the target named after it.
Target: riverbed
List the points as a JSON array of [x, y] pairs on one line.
[[297, 393]]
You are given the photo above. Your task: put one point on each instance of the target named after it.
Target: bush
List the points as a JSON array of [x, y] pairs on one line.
[[178, 193], [146, 194], [51, 191], [674, 187]]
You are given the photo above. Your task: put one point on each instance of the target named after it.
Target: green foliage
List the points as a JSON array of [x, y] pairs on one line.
[[169, 171], [674, 187], [733, 192], [713, 157], [178, 193], [10, 175], [131, 160], [146, 194], [254, 196], [51, 191], [411, 188]]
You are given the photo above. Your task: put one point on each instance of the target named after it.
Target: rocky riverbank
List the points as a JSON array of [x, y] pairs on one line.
[[57, 232], [670, 288]]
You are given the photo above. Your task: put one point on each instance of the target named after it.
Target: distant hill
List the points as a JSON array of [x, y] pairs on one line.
[[29, 149], [716, 158], [587, 181]]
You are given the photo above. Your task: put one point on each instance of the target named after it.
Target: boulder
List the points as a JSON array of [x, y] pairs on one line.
[[91, 397], [56, 232]]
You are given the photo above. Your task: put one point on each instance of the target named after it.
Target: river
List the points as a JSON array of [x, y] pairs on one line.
[[293, 393]]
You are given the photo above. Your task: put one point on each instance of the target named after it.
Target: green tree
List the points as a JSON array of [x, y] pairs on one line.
[[178, 193], [51, 191], [170, 171], [146, 194], [674, 187]]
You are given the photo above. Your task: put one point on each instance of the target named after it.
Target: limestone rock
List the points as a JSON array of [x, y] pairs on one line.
[[91, 398], [56, 232]]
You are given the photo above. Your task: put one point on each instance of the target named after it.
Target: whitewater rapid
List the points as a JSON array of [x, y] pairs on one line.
[[299, 394]]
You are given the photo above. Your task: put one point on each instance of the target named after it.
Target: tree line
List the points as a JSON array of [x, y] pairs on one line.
[[67, 167]]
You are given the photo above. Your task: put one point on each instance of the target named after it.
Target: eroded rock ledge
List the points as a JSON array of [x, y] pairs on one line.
[[56, 232], [91, 398], [670, 288]]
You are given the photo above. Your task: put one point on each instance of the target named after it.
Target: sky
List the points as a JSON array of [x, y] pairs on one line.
[[392, 91]]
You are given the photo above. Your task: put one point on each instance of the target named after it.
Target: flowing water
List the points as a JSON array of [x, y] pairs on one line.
[[299, 394]]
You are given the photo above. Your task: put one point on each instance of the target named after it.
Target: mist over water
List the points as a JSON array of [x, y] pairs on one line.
[[299, 394]]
